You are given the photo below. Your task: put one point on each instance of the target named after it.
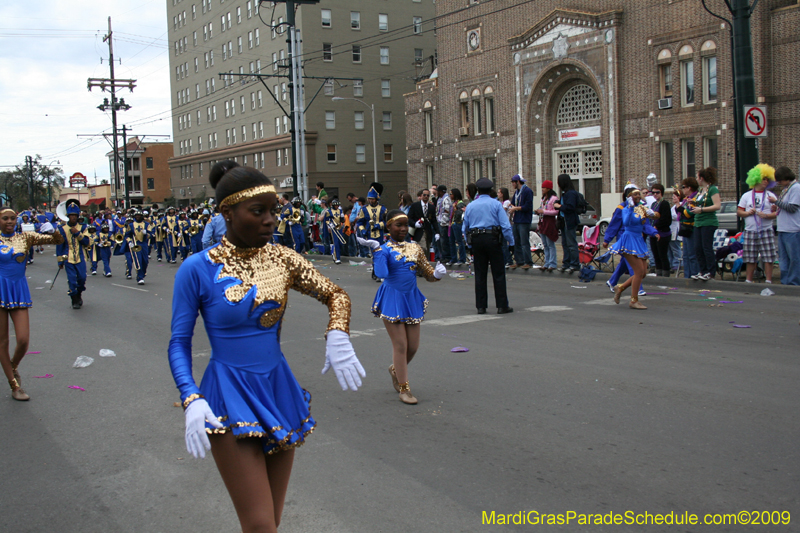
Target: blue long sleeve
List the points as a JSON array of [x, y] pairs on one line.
[[185, 309], [380, 260], [614, 225], [649, 229]]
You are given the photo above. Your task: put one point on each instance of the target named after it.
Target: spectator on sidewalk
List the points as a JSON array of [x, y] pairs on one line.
[[444, 211], [675, 254], [691, 267], [706, 204], [663, 221], [568, 207], [548, 227], [522, 211], [789, 226], [755, 207], [505, 199]]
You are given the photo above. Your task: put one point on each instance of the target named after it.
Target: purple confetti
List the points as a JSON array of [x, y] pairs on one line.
[[654, 293], [32, 353], [458, 349], [45, 376], [729, 302], [741, 326], [84, 390]]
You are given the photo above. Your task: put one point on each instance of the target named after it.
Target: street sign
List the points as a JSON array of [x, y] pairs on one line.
[[755, 121]]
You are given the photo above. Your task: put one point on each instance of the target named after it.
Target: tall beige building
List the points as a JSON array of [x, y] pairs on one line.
[[383, 46]]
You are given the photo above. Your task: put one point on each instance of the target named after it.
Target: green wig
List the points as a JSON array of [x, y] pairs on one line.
[[760, 173]]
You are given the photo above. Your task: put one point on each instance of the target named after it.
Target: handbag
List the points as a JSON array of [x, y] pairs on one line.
[[685, 230]]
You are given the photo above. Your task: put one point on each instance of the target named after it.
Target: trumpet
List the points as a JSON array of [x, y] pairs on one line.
[[296, 214], [119, 238], [194, 230], [104, 240]]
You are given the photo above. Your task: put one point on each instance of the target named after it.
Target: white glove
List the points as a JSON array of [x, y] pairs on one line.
[[340, 356], [47, 228], [418, 224], [290, 223], [196, 438], [440, 271], [650, 212], [436, 237], [369, 243]]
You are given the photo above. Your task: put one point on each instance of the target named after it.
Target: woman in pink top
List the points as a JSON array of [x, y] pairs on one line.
[[548, 228]]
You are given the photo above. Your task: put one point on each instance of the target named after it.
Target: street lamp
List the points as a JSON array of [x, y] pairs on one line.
[[374, 146], [49, 186]]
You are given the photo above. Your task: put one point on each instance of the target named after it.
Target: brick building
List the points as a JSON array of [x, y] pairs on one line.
[[606, 91], [377, 49], [148, 179]]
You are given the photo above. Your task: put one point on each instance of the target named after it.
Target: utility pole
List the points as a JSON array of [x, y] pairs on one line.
[[111, 84], [744, 85], [31, 187]]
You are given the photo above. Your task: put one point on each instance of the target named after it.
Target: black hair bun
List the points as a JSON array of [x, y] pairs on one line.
[[219, 170]]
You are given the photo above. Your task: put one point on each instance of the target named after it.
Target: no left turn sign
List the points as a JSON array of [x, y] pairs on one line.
[[755, 121]]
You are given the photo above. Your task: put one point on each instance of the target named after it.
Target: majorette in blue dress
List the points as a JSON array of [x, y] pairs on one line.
[[14, 291], [398, 299], [242, 294], [632, 223]]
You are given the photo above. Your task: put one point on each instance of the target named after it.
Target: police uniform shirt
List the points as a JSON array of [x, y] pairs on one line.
[[485, 213]]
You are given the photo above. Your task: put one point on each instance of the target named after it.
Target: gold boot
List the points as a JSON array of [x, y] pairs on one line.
[[618, 289], [18, 394], [635, 302], [395, 383], [16, 374], [405, 394]]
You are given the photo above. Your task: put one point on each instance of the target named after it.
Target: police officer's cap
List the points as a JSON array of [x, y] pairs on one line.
[[484, 183]]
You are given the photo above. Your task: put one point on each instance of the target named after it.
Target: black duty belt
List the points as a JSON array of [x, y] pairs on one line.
[[480, 231]]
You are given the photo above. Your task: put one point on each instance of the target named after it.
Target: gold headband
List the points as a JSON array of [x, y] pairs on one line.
[[7, 209], [395, 218], [235, 198]]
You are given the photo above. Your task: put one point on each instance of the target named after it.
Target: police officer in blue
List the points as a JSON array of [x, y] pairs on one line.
[[71, 253], [486, 229]]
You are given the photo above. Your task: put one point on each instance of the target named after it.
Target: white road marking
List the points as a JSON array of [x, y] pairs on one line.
[[131, 288], [457, 320], [365, 333], [549, 308], [604, 301]]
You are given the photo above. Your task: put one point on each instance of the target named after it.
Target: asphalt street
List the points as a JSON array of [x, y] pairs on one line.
[[571, 403]]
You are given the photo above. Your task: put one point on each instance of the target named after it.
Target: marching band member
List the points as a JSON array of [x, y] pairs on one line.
[[15, 296], [183, 235], [196, 228], [160, 235], [332, 219], [399, 302], [249, 409], [104, 244], [372, 221], [169, 225], [70, 252], [138, 249], [283, 234], [92, 252]]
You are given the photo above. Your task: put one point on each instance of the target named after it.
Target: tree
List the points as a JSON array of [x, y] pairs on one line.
[[17, 184]]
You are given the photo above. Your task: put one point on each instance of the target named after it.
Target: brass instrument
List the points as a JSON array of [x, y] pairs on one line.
[[119, 238], [296, 214], [194, 230], [105, 242]]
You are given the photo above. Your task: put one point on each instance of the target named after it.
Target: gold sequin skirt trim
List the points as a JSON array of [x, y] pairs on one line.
[[397, 319], [279, 445]]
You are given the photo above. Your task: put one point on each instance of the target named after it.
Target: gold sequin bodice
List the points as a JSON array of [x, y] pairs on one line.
[[272, 271]]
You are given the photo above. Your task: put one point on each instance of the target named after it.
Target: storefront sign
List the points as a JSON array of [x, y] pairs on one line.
[[579, 134]]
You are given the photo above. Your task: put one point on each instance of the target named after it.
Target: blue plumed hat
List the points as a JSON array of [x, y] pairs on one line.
[[73, 207], [373, 194]]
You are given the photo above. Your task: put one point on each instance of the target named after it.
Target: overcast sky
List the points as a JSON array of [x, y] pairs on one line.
[[50, 49]]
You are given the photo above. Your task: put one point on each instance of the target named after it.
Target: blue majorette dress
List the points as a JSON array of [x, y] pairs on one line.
[[398, 299], [242, 295], [14, 291], [634, 222]]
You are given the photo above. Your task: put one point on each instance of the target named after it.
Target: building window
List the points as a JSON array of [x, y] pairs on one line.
[[244, 134], [417, 22], [328, 90], [359, 120], [233, 135], [429, 175], [710, 79], [330, 120], [489, 103], [355, 20], [579, 104], [241, 103], [384, 55], [356, 53], [478, 169], [689, 166], [250, 8], [465, 173], [710, 154], [476, 117], [285, 124], [260, 102], [238, 15], [428, 127], [491, 169], [418, 56], [250, 40], [386, 89], [327, 52], [277, 125], [148, 162], [387, 120], [387, 153], [278, 158], [665, 80], [358, 87], [331, 153], [326, 18], [151, 184], [668, 162], [260, 129], [284, 91], [383, 22], [274, 61], [361, 153], [464, 108], [258, 37]]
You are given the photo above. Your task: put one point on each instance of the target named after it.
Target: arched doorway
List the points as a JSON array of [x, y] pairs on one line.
[[576, 134]]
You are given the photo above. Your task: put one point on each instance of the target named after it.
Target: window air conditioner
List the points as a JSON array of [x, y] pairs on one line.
[[665, 103], [463, 131]]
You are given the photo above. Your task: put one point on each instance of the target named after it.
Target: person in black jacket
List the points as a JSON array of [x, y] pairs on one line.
[[422, 220], [662, 215], [568, 207]]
